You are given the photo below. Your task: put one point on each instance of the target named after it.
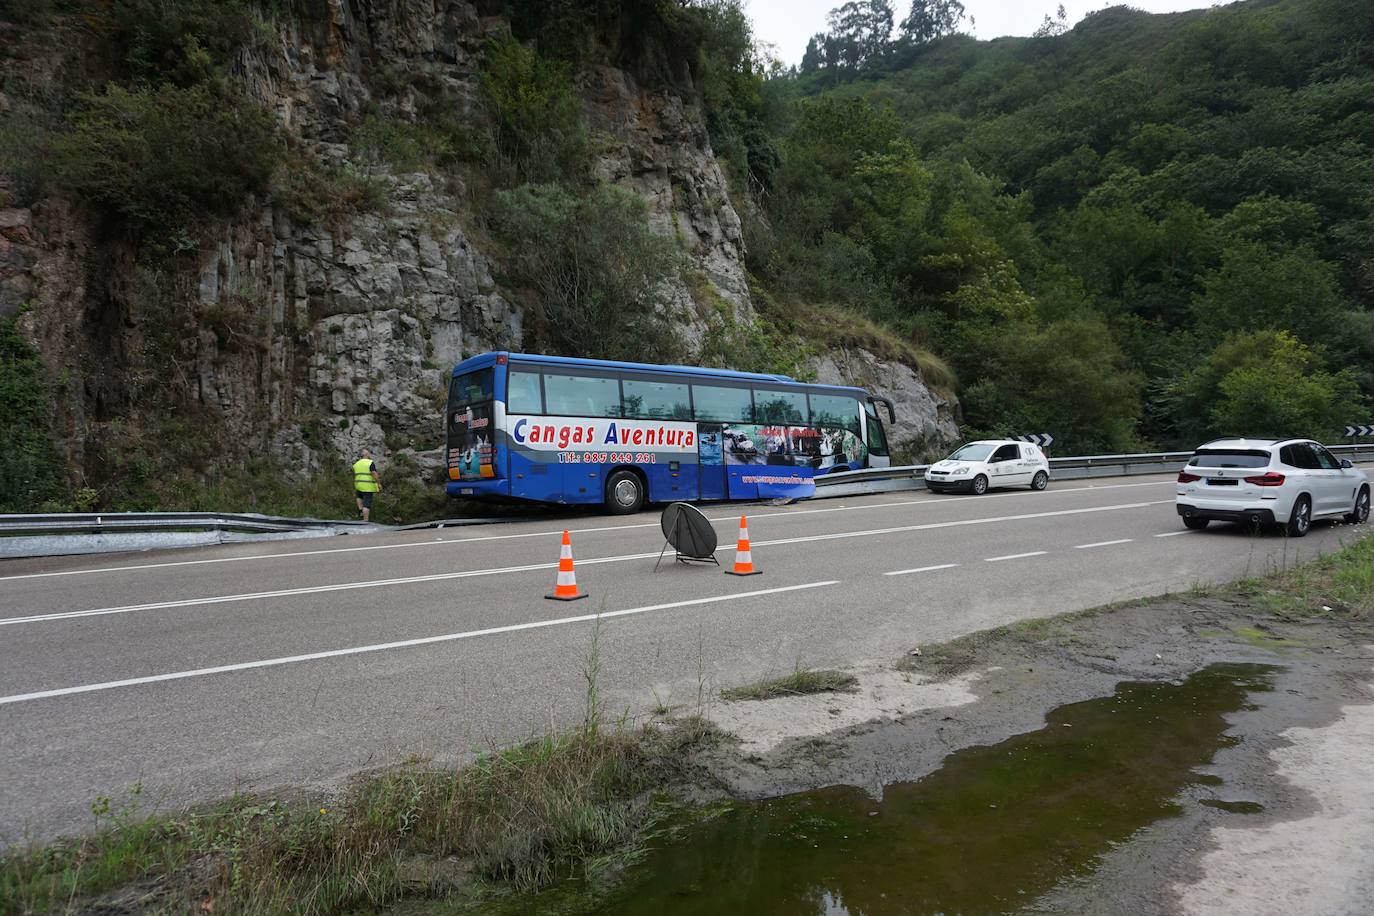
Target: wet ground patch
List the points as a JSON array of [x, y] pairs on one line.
[[991, 829]]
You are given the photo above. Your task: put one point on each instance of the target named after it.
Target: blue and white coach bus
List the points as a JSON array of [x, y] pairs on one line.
[[560, 430]]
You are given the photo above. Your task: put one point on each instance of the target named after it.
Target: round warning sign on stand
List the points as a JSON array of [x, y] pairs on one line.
[[689, 533]]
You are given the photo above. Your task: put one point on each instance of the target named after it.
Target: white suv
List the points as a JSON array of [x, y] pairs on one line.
[[1288, 482]]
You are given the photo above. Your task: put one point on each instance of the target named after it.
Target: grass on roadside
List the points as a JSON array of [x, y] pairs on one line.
[[795, 684], [514, 819], [1338, 585]]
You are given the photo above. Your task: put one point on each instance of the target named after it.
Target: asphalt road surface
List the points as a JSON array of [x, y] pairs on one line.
[[202, 672]]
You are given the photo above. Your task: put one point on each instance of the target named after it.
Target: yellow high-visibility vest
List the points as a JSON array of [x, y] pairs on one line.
[[362, 476]]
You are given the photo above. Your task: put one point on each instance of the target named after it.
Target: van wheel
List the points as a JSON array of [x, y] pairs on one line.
[[980, 485], [1040, 481], [624, 493], [1300, 519]]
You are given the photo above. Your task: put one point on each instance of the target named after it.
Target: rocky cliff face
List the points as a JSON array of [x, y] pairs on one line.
[[298, 340]]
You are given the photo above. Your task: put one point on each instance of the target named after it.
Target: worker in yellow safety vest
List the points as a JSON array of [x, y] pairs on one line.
[[366, 482]]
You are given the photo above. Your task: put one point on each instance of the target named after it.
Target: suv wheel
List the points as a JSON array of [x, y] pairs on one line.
[[1300, 519], [1360, 514], [1195, 523]]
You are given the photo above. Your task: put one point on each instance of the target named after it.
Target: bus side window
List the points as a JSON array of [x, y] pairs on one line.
[[780, 408], [522, 392], [721, 404], [835, 411], [654, 400], [581, 395]]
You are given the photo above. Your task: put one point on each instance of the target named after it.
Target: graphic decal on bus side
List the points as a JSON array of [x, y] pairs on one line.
[[792, 446], [600, 441]]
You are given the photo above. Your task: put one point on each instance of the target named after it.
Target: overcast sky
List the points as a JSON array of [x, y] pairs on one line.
[[789, 24]]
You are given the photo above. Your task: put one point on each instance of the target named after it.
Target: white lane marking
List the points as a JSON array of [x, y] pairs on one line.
[[1015, 556], [471, 573], [401, 644], [903, 572], [1173, 534], [534, 534], [1104, 543], [930, 526]]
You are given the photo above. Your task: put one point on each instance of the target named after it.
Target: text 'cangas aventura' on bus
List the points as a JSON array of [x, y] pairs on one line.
[[665, 435]]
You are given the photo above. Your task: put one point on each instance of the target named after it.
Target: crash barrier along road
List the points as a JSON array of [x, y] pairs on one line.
[[94, 532], [244, 666]]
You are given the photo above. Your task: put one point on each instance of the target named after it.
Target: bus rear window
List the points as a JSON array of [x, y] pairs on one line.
[[470, 388]]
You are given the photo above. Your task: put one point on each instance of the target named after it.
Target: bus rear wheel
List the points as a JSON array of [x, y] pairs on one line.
[[624, 493]]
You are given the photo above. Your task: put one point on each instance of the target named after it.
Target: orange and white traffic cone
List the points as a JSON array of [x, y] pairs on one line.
[[744, 560], [566, 589]]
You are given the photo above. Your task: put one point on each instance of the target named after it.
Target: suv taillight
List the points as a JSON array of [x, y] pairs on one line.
[[1185, 477], [1271, 479]]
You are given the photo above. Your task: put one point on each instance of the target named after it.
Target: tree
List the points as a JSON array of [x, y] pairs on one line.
[[863, 30], [1052, 28], [932, 19], [595, 268], [1281, 390]]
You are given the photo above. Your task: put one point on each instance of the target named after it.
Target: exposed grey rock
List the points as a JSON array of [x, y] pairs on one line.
[[925, 419]]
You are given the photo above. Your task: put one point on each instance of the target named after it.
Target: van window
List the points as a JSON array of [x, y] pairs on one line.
[[1005, 453]]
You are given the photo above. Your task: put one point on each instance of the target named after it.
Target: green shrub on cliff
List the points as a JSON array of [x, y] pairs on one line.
[[159, 158], [28, 465], [534, 114], [594, 267]]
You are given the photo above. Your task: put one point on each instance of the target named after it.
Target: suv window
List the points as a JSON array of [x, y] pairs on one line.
[[1005, 453], [1299, 455], [1230, 458], [1325, 460]]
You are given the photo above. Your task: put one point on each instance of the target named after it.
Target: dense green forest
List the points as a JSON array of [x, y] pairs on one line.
[[1142, 232]]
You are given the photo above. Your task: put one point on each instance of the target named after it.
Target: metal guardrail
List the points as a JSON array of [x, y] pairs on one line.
[[109, 522], [248, 525], [911, 476]]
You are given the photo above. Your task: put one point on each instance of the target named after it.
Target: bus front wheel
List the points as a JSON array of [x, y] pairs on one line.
[[624, 493]]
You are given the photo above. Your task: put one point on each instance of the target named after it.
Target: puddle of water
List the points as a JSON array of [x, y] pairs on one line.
[[1235, 807], [989, 831]]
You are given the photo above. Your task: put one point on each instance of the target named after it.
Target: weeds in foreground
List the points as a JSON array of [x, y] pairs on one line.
[[514, 819], [797, 683], [517, 818]]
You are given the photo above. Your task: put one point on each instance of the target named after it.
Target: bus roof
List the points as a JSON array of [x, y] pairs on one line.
[[483, 360]]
